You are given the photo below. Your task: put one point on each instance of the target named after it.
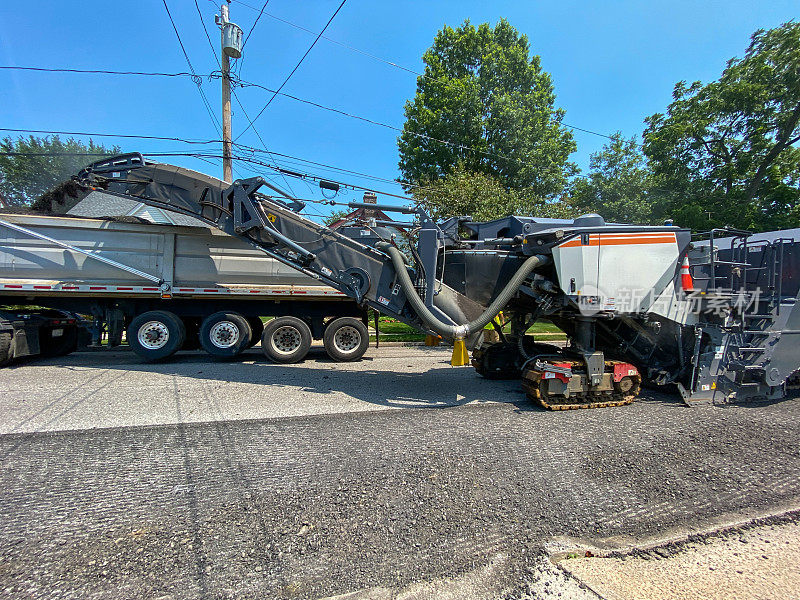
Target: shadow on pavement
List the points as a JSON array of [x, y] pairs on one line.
[[441, 385]]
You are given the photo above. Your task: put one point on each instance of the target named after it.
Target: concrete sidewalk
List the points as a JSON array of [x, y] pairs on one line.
[[753, 561]]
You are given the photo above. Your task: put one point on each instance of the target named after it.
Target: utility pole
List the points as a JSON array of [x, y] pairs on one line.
[[231, 36]]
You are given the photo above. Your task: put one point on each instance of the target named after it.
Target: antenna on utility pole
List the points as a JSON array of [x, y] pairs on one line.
[[231, 48]]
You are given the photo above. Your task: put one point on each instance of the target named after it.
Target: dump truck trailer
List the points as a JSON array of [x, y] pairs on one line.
[[714, 317], [170, 286]]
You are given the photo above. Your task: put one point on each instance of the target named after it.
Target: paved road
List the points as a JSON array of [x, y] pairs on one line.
[[321, 504], [111, 389]]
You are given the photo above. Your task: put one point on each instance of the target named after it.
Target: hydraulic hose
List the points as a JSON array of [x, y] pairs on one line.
[[457, 331]]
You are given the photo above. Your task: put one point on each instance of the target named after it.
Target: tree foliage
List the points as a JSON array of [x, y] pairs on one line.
[[725, 152], [491, 101], [483, 197], [31, 166], [618, 184], [336, 215]]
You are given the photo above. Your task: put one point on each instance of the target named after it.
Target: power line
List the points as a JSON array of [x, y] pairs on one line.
[[55, 154], [211, 114], [246, 148], [297, 66], [249, 33], [334, 41], [318, 178], [198, 80], [235, 95], [96, 71], [208, 37], [287, 172], [245, 83], [242, 147], [386, 61], [117, 135], [284, 172], [286, 181], [205, 155], [455, 145], [305, 161]]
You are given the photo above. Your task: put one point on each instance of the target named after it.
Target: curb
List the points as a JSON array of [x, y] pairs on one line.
[[558, 553]]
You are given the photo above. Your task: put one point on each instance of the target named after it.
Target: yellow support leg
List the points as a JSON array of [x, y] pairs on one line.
[[460, 355], [432, 340]]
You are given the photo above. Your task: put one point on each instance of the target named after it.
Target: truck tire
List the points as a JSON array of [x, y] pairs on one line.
[[225, 334], [286, 340], [6, 350], [346, 339], [257, 327], [156, 334]]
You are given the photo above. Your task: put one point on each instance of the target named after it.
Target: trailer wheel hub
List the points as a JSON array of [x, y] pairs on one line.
[[347, 339], [286, 339], [153, 335], [224, 334]]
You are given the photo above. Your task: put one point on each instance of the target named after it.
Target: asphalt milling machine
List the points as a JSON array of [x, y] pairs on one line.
[[641, 305]]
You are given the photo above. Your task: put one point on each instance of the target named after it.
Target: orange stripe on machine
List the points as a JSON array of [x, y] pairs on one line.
[[616, 239]]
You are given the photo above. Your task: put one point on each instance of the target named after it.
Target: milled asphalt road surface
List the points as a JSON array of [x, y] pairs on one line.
[[247, 479]]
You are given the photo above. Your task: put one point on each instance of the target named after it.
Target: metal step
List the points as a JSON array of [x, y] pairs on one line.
[[740, 366]]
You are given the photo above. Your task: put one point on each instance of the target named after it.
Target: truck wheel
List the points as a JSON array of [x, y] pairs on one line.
[[156, 334], [225, 334], [286, 340], [346, 339], [6, 351], [257, 327]]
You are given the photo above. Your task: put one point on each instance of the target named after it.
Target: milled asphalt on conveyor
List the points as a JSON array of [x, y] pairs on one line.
[[321, 504]]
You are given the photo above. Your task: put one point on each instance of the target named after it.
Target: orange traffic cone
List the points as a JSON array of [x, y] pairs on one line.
[[686, 276]]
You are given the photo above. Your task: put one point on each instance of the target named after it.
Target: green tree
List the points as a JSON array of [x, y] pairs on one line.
[[725, 152], [31, 166], [335, 216], [484, 94], [618, 184], [483, 197]]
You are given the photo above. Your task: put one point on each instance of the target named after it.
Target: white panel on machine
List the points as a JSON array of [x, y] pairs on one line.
[[617, 271], [576, 263]]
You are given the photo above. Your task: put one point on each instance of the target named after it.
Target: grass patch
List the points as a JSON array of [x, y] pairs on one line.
[[393, 330], [389, 325], [543, 327], [400, 337], [396, 331]]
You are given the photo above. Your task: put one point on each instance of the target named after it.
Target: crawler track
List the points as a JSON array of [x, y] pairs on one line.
[[536, 389]]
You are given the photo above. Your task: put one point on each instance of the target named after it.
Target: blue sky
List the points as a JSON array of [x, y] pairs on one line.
[[613, 64]]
